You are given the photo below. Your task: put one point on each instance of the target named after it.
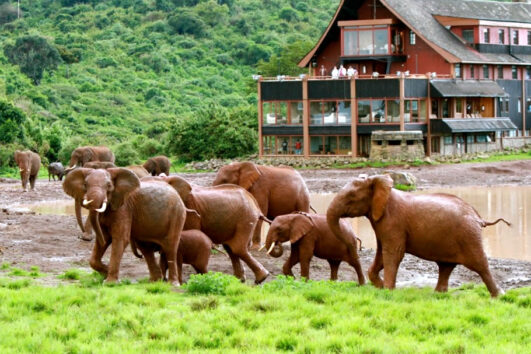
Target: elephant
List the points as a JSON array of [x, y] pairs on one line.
[[157, 165], [99, 164], [147, 211], [81, 155], [436, 227], [138, 170], [310, 235], [278, 190], [228, 216], [29, 164], [56, 169]]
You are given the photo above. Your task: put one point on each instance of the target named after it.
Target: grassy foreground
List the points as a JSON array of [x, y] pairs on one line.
[[217, 313]]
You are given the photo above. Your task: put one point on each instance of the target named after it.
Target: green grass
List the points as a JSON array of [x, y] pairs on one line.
[[283, 315], [522, 155]]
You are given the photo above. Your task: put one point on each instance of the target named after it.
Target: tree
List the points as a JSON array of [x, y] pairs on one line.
[[11, 123], [286, 62], [33, 54]]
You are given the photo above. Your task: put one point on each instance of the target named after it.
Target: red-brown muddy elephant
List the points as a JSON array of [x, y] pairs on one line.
[[157, 165], [28, 164], [278, 190], [83, 154], [310, 236], [436, 227], [228, 215], [121, 208]]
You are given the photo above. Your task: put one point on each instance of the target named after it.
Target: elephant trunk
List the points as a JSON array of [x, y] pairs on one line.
[[333, 218], [78, 215], [274, 248], [95, 221]]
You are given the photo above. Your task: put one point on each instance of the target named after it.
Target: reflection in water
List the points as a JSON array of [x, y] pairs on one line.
[[512, 203], [57, 207]]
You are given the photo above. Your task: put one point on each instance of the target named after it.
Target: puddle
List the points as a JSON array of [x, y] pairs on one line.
[[55, 207], [20, 241], [513, 203]]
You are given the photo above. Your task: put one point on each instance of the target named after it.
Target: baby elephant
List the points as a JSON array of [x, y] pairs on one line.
[[309, 235], [56, 169]]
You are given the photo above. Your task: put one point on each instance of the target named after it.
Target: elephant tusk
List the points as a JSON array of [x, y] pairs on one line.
[[21, 169], [261, 248], [271, 248], [103, 207], [87, 202]]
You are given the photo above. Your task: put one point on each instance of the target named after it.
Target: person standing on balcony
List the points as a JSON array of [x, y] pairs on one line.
[[335, 73], [322, 71], [351, 72], [285, 147], [342, 71]]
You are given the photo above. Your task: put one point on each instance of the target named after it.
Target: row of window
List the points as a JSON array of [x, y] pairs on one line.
[[468, 35], [485, 69], [319, 145], [339, 112]]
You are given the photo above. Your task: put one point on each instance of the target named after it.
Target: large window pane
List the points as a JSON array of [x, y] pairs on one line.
[[422, 111], [316, 113], [269, 113], [282, 115], [380, 42], [345, 146], [269, 145], [284, 145], [297, 145], [415, 111], [330, 145], [378, 111], [343, 112], [350, 44], [393, 110], [365, 44], [329, 113], [316, 145], [364, 111], [295, 110]]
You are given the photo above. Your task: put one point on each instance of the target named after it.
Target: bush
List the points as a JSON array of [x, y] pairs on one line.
[[125, 154], [12, 120], [210, 283]]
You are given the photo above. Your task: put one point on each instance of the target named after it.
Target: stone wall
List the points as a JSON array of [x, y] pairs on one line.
[[516, 142], [397, 145]]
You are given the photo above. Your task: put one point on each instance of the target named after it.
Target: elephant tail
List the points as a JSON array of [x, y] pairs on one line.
[[264, 218], [359, 239], [488, 223], [311, 207], [218, 250], [134, 249]]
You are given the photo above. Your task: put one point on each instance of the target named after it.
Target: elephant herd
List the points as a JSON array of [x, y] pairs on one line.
[[156, 212]]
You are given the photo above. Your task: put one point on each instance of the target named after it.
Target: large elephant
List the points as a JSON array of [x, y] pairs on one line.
[[29, 164], [138, 170], [228, 215], [81, 155], [99, 164], [436, 227], [278, 190], [310, 235], [147, 211], [157, 165]]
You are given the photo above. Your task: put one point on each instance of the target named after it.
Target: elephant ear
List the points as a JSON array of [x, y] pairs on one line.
[[88, 154], [125, 182], [249, 174], [300, 226], [74, 184], [181, 186], [382, 186], [193, 220]]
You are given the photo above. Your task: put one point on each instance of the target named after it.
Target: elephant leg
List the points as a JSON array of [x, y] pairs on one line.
[[355, 263], [97, 254], [163, 264], [445, 269], [239, 250], [32, 181], [155, 273], [255, 244], [482, 268], [305, 255], [334, 267], [169, 248], [120, 233], [292, 260], [87, 234], [392, 256], [376, 266], [236, 264], [180, 267]]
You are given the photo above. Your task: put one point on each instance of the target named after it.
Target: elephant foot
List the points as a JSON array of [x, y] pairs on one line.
[[255, 247], [261, 277], [86, 237], [175, 284], [108, 281]]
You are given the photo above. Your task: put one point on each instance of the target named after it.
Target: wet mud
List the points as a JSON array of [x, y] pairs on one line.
[[51, 242]]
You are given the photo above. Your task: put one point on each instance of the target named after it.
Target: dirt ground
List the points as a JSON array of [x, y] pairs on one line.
[[51, 241]]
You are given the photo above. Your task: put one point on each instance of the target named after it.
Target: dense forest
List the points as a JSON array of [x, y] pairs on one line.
[[145, 76]]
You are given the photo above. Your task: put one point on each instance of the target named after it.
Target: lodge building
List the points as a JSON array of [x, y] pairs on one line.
[[456, 73]]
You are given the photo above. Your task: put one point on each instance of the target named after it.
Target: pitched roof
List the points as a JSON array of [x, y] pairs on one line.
[[466, 88], [418, 15], [467, 125]]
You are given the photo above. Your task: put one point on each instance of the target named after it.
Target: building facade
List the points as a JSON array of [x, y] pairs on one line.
[[457, 71]]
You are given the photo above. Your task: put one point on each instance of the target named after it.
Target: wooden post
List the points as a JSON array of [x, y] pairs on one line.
[[260, 120], [428, 112], [523, 102], [305, 118], [353, 118], [402, 96]]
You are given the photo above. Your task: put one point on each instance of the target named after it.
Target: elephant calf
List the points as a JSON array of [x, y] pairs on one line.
[[56, 169], [310, 235]]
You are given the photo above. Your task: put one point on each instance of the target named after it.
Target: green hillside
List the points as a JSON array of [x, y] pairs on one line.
[[143, 75]]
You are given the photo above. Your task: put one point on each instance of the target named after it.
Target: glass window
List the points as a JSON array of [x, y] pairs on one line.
[[470, 139], [296, 145], [316, 145], [422, 111], [269, 113], [343, 112], [515, 36], [457, 70], [485, 71], [380, 41], [434, 109], [481, 138], [393, 110], [459, 105], [448, 140], [472, 71], [329, 112], [486, 35], [295, 112], [316, 113], [514, 73], [365, 41], [412, 38], [330, 145], [378, 111], [528, 72], [528, 37], [269, 143], [282, 116], [445, 108], [350, 42], [284, 146], [345, 145], [364, 111], [501, 36], [500, 72], [519, 105], [468, 35], [528, 104]]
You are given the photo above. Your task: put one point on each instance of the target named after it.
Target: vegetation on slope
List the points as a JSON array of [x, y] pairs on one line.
[[132, 71]]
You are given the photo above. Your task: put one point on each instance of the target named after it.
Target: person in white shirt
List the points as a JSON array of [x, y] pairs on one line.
[[352, 72], [335, 73], [342, 71]]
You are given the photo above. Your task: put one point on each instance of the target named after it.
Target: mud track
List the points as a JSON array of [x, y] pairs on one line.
[[51, 241]]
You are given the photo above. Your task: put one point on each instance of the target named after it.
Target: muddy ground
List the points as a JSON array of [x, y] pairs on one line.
[[51, 241]]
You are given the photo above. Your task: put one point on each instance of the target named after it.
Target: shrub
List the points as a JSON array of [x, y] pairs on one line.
[[210, 283], [11, 123], [126, 154]]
